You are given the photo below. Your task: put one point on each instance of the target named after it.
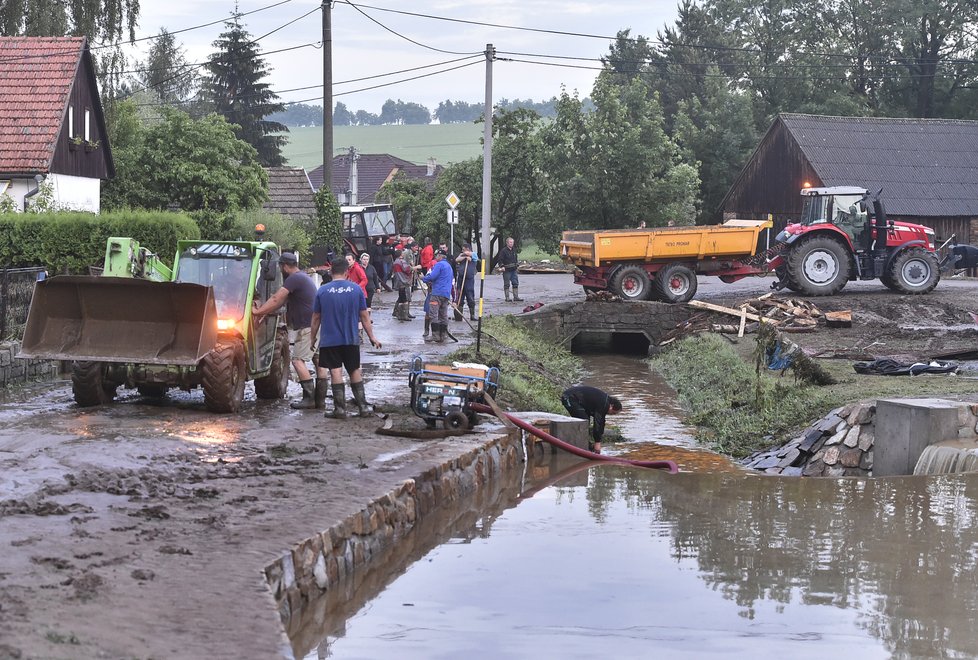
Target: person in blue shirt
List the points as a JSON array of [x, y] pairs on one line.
[[440, 280], [337, 311]]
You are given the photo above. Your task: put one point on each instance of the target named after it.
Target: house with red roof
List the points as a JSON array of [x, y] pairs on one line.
[[52, 129]]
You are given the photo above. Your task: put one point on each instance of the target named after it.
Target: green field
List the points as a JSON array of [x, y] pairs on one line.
[[447, 143]]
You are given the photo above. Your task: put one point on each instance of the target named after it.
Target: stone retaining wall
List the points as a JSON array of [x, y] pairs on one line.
[[564, 321], [841, 444], [321, 562], [14, 370]]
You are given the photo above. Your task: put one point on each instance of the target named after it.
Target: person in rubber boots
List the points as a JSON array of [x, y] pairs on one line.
[[509, 262], [440, 281], [586, 402], [338, 308], [298, 291], [468, 271]]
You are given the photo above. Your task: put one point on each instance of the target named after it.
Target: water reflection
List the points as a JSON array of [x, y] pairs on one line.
[[626, 562]]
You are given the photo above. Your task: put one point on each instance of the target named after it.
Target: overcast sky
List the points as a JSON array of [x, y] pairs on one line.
[[363, 48]]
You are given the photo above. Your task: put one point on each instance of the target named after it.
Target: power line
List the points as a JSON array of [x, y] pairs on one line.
[[406, 38], [314, 44]]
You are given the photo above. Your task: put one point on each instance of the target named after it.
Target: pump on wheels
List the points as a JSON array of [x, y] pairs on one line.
[[446, 392]]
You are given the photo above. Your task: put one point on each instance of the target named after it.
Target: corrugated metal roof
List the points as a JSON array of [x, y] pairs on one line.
[[36, 74], [926, 167]]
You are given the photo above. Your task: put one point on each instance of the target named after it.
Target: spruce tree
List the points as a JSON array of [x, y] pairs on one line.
[[234, 86]]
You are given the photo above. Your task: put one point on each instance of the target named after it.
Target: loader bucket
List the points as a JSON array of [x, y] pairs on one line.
[[120, 319]]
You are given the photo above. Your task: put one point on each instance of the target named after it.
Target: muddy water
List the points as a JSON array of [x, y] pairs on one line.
[[623, 562]]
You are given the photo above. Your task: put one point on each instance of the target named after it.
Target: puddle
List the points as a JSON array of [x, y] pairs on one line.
[[622, 562]]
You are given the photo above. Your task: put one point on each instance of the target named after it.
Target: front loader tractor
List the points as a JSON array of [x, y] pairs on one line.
[[844, 235], [142, 325]]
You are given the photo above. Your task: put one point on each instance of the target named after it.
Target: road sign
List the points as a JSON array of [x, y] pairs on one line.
[[452, 199], [453, 216]]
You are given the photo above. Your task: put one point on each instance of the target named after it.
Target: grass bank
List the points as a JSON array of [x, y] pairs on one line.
[[736, 412], [533, 370]]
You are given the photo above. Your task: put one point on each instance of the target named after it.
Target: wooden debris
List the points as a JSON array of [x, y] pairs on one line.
[[790, 315], [602, 296], [841, 319]]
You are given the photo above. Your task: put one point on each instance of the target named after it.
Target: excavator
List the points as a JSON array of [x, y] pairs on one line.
[[144, 325]]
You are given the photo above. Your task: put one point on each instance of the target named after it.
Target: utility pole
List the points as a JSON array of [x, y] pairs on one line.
[[486, 190], [328, 95]]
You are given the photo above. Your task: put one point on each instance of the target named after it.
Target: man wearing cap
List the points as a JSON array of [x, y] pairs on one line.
[[298, 290], [440, 280]]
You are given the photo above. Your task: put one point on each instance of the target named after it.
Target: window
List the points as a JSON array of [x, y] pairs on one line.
[[88, 125], [71, 122]]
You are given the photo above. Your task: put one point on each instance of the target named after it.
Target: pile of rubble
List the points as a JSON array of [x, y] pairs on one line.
[[838, 445], [602, 296]]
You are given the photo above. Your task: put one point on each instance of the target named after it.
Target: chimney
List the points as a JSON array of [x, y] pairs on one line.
[[432, 164]]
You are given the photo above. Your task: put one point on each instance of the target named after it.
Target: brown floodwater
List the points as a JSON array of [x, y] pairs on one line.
[[577, 560]]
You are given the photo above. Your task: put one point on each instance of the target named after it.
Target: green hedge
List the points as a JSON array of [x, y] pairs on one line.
[[69, 242]]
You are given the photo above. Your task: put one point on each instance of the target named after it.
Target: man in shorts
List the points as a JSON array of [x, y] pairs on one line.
[[337, 310], [298, 291]]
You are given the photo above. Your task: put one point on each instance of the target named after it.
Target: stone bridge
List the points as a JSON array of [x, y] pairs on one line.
[[625, 327]]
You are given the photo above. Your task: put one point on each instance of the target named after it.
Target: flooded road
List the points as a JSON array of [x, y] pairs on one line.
[[622, 562]]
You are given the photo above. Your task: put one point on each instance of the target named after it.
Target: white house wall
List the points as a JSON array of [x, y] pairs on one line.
[[75, 192]]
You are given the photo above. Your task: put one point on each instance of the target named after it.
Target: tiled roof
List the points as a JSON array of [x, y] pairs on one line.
[[373, 171], [290, 193], [36, 75], [926, 167]]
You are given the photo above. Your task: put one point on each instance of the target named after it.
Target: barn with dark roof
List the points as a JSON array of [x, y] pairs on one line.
[[372, 172], [926, 168]]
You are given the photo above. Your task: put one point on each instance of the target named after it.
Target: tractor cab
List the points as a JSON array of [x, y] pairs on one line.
[[362, 224], [846, 207]]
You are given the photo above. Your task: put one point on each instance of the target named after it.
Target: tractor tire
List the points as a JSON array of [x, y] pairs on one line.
[[89, 385], [152, 390], [675, 283], [276, 384], [631, 283], [914, 271], [456, 420], [223, 376], [819, 266]]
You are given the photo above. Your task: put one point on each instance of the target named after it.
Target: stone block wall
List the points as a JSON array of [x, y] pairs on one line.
[[14, 370], [841, 443], [565, 320], [324, 560]]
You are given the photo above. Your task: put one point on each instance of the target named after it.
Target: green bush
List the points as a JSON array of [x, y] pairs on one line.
[[70, 242]]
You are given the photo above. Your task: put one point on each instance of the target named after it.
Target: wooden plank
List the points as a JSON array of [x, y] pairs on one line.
[[699, 304], [841, 319], [743, 321]]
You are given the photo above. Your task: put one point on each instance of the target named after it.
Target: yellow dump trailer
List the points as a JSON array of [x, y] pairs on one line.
[[662, 263]]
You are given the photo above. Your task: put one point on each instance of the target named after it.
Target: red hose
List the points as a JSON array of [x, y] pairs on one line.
[[590, 455]]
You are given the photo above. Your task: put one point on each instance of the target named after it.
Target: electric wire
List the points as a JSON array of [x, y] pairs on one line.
[[406, 38]]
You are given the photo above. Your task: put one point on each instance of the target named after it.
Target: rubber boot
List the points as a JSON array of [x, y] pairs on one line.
[[516, 294], [407, 312], [506, 291], [322, 389], [427, 327], [397, 307], [472, 313], [439, 332], [339, 402], [308, 400], [360, 396]]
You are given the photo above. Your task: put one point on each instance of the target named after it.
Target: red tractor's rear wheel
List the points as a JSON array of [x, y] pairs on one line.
[[819, 266]]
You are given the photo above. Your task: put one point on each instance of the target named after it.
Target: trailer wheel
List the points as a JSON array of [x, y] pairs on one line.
[[819, 266], [223, 377], [675, 284], [89, 385], [276, 384], [456, 420], [914, 271], [631, 283]]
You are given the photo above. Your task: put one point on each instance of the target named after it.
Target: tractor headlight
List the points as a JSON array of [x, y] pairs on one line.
[[225, 324]]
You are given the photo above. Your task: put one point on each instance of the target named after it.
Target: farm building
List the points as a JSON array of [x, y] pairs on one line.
[[290, 193], [357, 178], [52, 132], [927, 169]]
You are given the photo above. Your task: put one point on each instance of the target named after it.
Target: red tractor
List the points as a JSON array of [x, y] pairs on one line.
[[844, 235]]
